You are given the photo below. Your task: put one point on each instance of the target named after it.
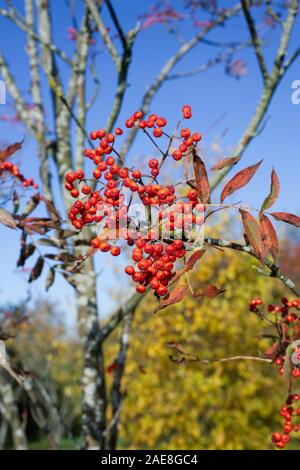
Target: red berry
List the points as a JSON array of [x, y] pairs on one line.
[[118, 131], [95, 243], [161, 290], [153, 163], [161, 121], [157, 132], [177, 155], [129, 123], [93, 135], [79, 174], [85, 189], [140, 288], [129, 270], [115, 251], [74, 193], [104, 246], [185, 132], [196, 137], [136, 174]]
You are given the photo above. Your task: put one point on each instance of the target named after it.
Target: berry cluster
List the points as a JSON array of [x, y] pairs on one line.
[[285, 355], [188, 139], [15, 172], [290, 414], [104, 200], [155, 263], [280, 311]]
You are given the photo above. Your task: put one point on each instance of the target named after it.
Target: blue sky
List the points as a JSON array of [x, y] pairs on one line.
[[213, 95]]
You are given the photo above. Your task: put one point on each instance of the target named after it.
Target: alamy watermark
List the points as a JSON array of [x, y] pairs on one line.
[[2, 92], [296, 94]]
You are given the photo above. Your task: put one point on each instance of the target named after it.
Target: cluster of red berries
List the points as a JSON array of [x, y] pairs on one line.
[[287, 323], [290, 413], [15, 172], [189, 140], [282, 310], [104, 200], [154, 264]]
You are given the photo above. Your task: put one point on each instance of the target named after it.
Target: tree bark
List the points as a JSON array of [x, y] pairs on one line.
[[93, 377], [11, 414]]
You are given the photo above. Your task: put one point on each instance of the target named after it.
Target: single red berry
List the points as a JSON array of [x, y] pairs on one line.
[[101, 133], [70, 177], [185, 132], [104, 246], [110, 160], [93, 135], [161, 290], [186, 108], [157, 132], [79, 174], [192, 194], [74, 193], [153, 163], [138, 115], [115, 251], [177, 155], [85, 189], [118, 131], [136, 174], [196, 137], [129, 123], [130, 270], [95, 243], [140, 288], [161, 121]]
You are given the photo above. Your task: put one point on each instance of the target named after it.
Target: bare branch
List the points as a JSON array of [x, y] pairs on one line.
[[255, 39], [103, 32], [275, 271], [269, 89], [183, 50], [13, 16]]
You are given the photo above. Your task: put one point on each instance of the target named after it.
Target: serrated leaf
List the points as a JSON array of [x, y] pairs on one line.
[[51, 208], [274, 192], [64, 257], [210, 292], [10, 150], [201, 177], [37, 269], [273, 351], [50, 278], [253, 233], [25, 253], [291, 219], [268, 235], [50, 242], [225, 162], [176, 295], [7, 219], [239, 180], [196, 255]]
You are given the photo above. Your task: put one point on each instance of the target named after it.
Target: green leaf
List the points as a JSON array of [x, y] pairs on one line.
[[274, 192]]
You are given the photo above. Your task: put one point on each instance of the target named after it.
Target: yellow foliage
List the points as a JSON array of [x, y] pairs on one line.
[[233, 405]]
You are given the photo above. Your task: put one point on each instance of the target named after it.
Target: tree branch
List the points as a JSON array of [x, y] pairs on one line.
[[255, 39], [183, 50], [275, 271], [269, 89], [104, 34]]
